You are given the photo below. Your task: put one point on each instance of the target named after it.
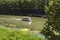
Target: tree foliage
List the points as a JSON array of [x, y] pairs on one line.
[[22, 7], [52, 29]]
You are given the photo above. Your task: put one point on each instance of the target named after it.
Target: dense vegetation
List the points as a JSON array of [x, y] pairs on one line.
[[22, 7], [52, 29], [6, 34]]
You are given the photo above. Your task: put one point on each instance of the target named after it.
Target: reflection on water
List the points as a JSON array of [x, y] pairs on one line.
[[41, 36]]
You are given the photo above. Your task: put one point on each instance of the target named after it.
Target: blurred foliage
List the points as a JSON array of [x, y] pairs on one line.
[[7, 34], [52, 29], [20, 7]]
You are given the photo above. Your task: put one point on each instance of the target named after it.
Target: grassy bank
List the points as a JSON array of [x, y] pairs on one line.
[[10, 21], [37, 23]]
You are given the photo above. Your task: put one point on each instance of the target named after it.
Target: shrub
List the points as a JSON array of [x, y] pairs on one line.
[[6, 34]]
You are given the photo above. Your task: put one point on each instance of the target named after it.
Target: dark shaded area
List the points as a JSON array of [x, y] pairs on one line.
[[35, 12]]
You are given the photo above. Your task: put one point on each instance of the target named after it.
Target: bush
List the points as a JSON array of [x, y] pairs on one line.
[[6, 34]]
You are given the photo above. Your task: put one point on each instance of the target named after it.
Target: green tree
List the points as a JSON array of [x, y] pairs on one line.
[[52, 29]]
